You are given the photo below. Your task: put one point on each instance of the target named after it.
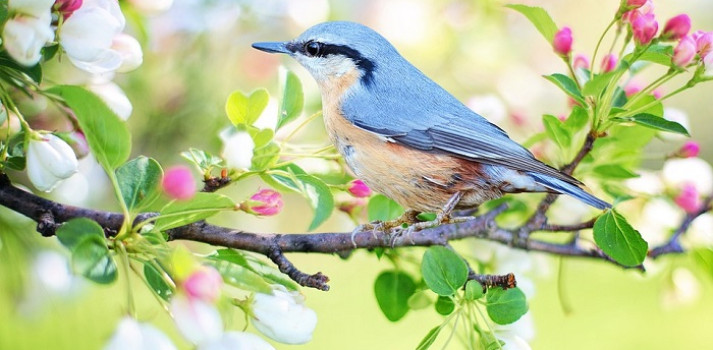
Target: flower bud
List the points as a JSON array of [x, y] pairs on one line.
[[676, 27], [24, 36], [632, 89], [359, 189], [644, 28], [704, 43], [131, 334], [689, 149], [580, 62], [49, 160], [204, 284], [67, 7], [130, 50], [265, 202], [283, 316], [562, 41], [684, 52], [352, 207], [609, 62], [689, 199], [178, 183], [635, 4]]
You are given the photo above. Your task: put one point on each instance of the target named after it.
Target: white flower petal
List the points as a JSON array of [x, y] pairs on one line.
[[237, 341], [34, 8], [130, 51], [283, 316], [238, 148], [114, 97], [23, 38], [199, 322], [131, 334], [151, 7], [677, 172], [49, 161]]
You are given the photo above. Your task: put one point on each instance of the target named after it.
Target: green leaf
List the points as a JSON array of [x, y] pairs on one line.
[[567, 85], [92, 259], [265, 271], [443, 270], [598, 84], [426, 216], [619, 240], [540, 18], [292, 99], [203, 205], [556, 131], [241, 277], [139, 180], [72, 232], [392, 290], [659, 54], [204, 160], [430, 337], [505, 306], [242, 109], [419, 300], [657, 123], [382, 208], [157, 284], [614, 171], [319, 196], [265, 157], [444, 305], [577, 120], [473, 290], [107, 135], [34, 72]]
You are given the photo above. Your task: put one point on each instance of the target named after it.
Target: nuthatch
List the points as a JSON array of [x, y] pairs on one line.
[[404, 135]]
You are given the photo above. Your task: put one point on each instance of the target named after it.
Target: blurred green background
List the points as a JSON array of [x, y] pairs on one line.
[[199, 51]]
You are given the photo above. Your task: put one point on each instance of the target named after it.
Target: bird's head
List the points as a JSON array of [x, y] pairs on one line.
[[333, 51]]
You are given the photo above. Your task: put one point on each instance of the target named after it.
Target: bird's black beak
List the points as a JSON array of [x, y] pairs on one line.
[[272, 47]]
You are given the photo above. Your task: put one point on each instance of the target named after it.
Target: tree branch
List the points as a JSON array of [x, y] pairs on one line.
[[673, 245]]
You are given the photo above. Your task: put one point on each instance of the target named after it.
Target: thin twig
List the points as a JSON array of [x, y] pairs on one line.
[[673, 245]]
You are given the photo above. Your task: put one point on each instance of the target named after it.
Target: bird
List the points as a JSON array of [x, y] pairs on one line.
[[404, 135]]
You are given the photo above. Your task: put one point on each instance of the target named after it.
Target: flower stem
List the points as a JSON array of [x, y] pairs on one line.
[[599, 43]]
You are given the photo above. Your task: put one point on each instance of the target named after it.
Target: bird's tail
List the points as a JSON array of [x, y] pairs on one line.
[[575, 191]]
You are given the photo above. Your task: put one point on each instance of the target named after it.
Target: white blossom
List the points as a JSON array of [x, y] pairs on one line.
[[131, 334], [113, 96], [34, 8], [24, 36], [49, 160], [283, 316], [238, 148], [677, 172], [198, 321], [151, 7], [130, 51], [87, 36]]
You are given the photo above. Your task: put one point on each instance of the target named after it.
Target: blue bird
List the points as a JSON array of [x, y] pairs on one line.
[[404, 135]]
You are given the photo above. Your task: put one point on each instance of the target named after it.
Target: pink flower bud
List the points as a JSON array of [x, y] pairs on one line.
[[352, 207], [657, 93], [704, 43], [644, 28], [689, 149], [265, 202], [676, 27], [688, 199], [67, 7], [632, 89], [562, 42], [684, 52], [359, 189], [204, 284], [609, 63], [645, 9], [178, 183], [635, 4], [78, 142], [580, 62]]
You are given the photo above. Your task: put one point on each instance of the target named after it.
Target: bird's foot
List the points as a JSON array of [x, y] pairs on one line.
[[443, 217]]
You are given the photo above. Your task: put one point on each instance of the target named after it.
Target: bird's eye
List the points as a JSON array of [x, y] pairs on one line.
[[313, 48]]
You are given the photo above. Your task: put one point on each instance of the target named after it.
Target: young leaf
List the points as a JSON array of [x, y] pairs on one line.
[[657, 123], [473, 290], [614, 171], [92, 259], [393, 290], [319, 196], [556, 131], [242, 109], [567, 85], [267, 272], [203, 205], [154, 280], [505, 306], [577, 119], [241, 277], [74, 231], [443, 270], [596, 86], [430, 337], [107, 136], [292, 99], [265, 157], [616, 238], [139, 180], [204, 160], [659, 54], [540, 18], [445, 305], [382, 208], [419, 300]]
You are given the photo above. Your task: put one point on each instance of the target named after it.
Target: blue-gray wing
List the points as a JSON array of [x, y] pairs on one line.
[[440, 123]]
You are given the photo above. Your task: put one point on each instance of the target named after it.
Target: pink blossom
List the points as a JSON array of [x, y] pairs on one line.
[[632, 89], [645, 9], [689, 149], [178, 183], [609, 62], [204, 284], [644, 28], [684, 52], [67, 7], [676, 27], [562, 41], [704, 42], [635, 4], [359, 189], [688, 199], [580, 62], [266, 202]]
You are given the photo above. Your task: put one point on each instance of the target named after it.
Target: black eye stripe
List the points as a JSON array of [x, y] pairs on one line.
[[366, 65]]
